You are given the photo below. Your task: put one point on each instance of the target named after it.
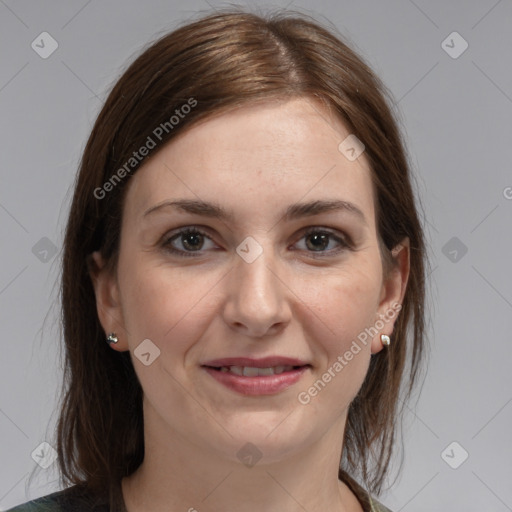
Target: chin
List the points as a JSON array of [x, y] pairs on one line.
[[268, 441]]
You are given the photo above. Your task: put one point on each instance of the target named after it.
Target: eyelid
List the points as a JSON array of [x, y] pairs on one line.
[[344, 240], [342, 237], [175, 233]]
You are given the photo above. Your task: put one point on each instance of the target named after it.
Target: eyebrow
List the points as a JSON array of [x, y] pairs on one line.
[[294, 211]]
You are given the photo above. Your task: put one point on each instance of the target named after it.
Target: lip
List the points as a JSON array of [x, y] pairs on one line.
[[260, 385], [265, 362]]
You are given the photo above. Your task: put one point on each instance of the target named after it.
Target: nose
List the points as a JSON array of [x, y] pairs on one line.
[[258, 299]]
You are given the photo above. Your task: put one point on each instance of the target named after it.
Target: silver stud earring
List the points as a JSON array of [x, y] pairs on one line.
[[384, 338], [112, 338]]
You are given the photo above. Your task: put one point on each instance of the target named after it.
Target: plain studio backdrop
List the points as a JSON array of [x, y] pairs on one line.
[[448, 65]]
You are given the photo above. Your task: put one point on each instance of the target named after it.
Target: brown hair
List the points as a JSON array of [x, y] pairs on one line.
[[223, 61]]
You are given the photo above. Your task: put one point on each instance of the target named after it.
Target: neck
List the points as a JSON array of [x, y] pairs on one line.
[[179, 475]]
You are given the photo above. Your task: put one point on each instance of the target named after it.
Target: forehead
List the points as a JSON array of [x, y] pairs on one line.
[[258, 157]]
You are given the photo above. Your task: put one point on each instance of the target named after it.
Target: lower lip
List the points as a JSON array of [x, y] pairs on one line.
[[260, 385]]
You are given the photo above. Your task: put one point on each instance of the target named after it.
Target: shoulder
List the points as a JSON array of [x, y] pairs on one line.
[[67, 500], [366, 500], [50, 502], [376, 506]]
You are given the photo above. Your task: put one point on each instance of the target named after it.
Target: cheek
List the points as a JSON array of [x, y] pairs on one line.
[[345, 307], [346, 301], [172, 307], [168, 307]]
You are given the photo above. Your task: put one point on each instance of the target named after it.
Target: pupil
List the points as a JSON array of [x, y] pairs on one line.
[[319, 238], [195, 237]]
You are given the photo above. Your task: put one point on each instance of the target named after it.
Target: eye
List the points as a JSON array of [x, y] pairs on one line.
[[317, 240], [190, 238]]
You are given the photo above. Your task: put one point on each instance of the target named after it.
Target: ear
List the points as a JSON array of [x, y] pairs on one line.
[[108, 305], [392, 294]]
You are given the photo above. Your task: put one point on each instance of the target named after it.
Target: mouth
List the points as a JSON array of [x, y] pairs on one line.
[[255, 381], [252, 371]]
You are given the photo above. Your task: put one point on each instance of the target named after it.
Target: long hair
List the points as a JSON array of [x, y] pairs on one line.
[[217, 63]]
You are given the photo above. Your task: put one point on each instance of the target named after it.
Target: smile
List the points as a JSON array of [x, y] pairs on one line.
[[251, 371], [248, 380]]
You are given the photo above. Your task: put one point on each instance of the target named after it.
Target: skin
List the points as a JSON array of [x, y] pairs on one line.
[[292, 300]]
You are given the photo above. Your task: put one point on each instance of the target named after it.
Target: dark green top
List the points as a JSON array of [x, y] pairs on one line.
[[74, 500]]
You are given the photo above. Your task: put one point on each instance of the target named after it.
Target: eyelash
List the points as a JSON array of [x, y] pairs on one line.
[[346, 244]]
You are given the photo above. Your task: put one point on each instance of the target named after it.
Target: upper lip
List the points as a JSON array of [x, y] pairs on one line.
[[265, 362]]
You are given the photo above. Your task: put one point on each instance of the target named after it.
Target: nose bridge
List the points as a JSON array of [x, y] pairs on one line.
[[255, 281], [256, 299]]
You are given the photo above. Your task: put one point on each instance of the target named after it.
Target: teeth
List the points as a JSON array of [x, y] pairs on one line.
[[248, 371], [237, 370]]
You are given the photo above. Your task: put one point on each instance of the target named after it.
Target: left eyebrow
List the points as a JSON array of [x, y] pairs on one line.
[[294, 211]]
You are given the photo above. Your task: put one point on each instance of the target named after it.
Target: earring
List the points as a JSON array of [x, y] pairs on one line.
[[112, 338], [384, 338]]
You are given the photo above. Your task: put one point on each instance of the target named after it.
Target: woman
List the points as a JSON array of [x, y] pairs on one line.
[[244, 235]]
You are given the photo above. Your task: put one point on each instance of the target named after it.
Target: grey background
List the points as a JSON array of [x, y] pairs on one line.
[[456, 114]]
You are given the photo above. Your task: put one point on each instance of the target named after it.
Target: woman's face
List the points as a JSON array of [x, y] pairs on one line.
[[271, 278]]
